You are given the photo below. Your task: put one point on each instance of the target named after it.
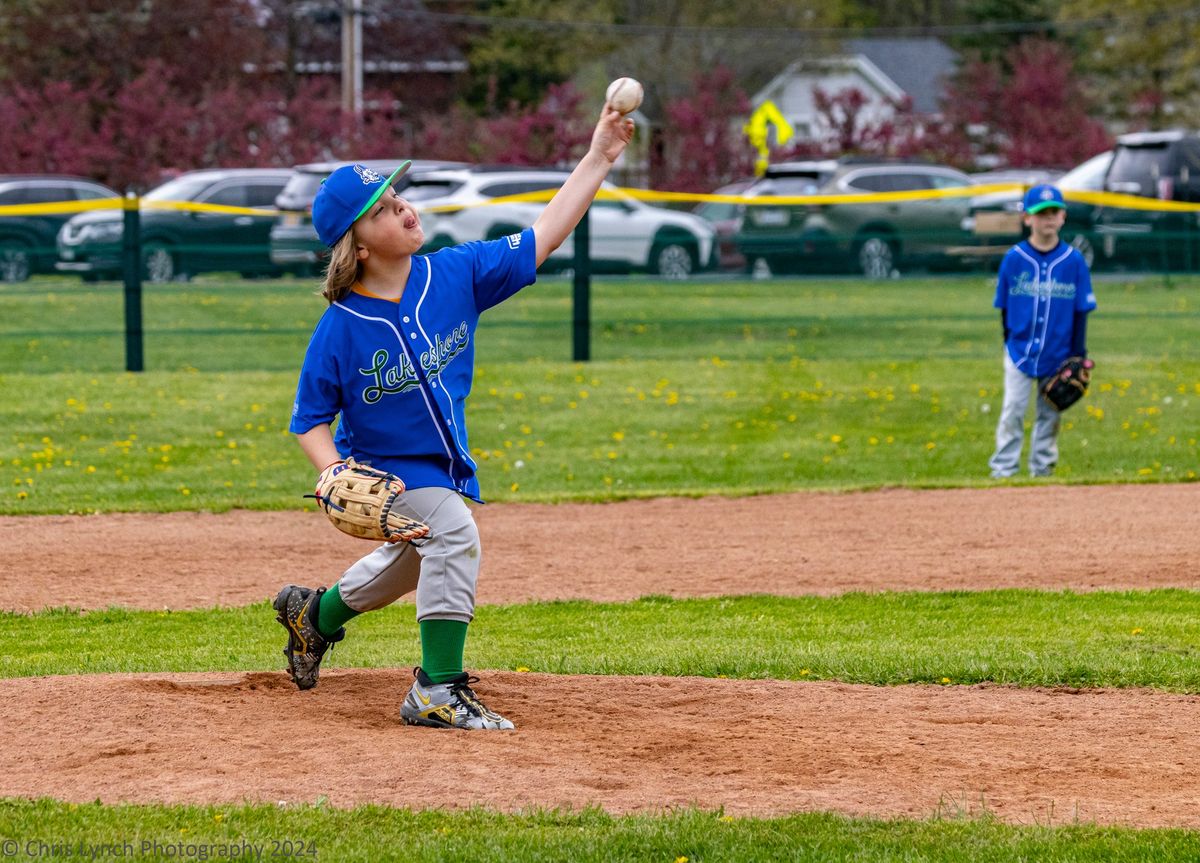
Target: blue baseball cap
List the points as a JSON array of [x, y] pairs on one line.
[[1043, 197], [345, 195]]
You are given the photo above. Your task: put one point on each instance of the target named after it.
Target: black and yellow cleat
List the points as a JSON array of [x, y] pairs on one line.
[[297, 607]]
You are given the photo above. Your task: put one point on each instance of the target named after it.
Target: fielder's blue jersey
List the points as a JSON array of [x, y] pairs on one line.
[[1041, 292], [398, 373]]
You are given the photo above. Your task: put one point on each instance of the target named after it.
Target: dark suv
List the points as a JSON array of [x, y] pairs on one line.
[[874, 237], [997, 224], [178, 243], [1164, 166], [27, 242], [294, 242]]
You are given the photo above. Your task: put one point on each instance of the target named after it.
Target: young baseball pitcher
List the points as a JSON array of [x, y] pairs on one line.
[[392, 360], [1044, 293]]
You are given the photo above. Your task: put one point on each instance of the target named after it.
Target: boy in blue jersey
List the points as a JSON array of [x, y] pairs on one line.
[[1044, 294], [392, 360]]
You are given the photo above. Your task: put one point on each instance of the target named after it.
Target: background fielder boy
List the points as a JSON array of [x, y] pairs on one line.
[[1044, 293]]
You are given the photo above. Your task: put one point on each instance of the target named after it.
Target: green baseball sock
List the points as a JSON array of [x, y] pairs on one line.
[[442, 644], [333, 612]]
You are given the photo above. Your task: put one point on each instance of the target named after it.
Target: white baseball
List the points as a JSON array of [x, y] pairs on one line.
[[624, 94]]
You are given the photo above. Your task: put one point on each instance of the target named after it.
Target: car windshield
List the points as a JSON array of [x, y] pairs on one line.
[[1141, 165], [795, 185], [179, 189], [424, 190], [1089, 175], [303, 185]]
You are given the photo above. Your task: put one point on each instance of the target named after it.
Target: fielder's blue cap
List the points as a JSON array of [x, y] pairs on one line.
[[345, 195], [1043, 197]]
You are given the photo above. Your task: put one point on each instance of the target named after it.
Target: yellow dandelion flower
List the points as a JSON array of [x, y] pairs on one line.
[[945, 680], [521, 669], [837, 438], [1137, 630]]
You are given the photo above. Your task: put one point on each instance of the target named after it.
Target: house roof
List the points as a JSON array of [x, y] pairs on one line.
[[919, 66]]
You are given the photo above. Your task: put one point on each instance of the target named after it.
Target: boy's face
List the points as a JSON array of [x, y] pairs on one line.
[[1045, 224], [391, 228]]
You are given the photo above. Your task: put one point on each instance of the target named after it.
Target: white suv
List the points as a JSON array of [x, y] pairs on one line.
[[626, 234]]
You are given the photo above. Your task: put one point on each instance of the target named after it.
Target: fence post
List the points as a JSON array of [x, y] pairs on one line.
[[581, 316], [131, 255]]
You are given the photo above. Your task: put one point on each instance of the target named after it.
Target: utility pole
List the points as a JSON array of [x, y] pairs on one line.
[[352, 75]]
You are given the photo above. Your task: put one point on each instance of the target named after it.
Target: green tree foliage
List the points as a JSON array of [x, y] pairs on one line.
[[1141, 59], [664, 44]]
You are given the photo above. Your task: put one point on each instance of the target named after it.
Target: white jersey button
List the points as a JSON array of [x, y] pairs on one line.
[[406, 319]]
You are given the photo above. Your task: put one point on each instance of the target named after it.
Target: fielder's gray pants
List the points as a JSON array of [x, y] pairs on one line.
[[443, 570], [1010, 430]]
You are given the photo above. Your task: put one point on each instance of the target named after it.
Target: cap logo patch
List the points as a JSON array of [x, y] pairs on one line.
[[1047, 194], [368, 176]]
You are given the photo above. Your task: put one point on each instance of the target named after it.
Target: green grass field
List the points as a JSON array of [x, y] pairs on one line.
[[1018, 637], [707, 387], [713, 387]]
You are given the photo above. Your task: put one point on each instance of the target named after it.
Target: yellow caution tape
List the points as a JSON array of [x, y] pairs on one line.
[[61, 207], [1100, 199]]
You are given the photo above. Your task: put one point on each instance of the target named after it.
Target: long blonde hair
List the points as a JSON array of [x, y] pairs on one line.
[[344, 268]]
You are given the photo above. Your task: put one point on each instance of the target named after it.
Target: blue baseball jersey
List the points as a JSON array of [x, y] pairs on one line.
[[1040, 293], [398, 373]]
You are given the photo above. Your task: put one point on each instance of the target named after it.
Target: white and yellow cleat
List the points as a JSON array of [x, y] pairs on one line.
[[452, 704]]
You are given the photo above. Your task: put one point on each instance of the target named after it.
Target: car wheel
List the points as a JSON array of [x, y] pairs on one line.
[[15, 262], [1084, 244], [877, 257], [673, 260], [158, 263]]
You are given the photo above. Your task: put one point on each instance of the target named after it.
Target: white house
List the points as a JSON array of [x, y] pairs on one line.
[[885, 70]]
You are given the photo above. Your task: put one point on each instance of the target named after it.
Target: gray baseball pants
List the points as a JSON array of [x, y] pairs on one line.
[[443, 570], [1010, 430]]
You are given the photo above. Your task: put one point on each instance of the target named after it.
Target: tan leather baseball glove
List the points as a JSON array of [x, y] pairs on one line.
[[360, 501]]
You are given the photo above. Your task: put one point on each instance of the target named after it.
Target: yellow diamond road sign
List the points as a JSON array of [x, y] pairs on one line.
[[758, 129]]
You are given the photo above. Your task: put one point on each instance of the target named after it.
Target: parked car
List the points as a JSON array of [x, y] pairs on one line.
[[873, 238], [1024, 176], [27, 242], [177, 244], [294, 242], [626, 234], [1161, 165], [996, 220], [783, 178], [726, 218]]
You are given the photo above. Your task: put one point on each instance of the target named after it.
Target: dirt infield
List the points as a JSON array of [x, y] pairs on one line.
[[1135, 537], [628, 744]]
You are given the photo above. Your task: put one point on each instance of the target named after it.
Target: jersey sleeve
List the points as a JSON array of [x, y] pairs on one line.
[[319, 393], [1002, 280], [502, 267], [1085, 296]]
